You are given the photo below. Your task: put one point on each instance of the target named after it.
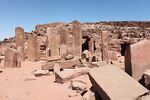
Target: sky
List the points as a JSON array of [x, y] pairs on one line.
[[28, 13]]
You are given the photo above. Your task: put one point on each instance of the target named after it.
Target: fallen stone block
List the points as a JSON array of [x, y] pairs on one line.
[[54, 58], [63, 63], [64, 76], [69, 57], [112, 83], [69, 63], [78, 85], [39, 73], [48, 65]]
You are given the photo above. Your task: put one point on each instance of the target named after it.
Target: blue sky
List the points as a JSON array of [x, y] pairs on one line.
[[28, 13]]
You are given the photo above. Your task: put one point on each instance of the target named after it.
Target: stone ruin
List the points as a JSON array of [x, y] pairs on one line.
[[80, 47]]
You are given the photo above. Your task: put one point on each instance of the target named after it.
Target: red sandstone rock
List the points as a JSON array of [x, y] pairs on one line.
[[137, 59]]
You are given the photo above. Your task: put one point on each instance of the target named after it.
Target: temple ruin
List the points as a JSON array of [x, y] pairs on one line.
[[116, 60]]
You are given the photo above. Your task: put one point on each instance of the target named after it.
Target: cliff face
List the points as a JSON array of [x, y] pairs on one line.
[[121, 34]]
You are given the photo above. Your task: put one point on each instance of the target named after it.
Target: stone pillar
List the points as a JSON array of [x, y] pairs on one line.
[[63, 50], [63, 42], [104, 42], [70, 45], [63, 36], [38, 50], [91, 46], [11, 58], [54, 51], [20, 43], [32, 47], [77, 33]]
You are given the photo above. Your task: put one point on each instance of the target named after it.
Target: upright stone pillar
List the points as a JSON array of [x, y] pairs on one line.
[[11, 58], [70, 45], [63, 42], [104, 42], [77, 33], [91, 46], [32, 47], [63, 36], [20, 43], [54, 51]]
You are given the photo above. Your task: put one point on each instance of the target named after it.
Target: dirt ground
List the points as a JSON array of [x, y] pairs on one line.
[[15, 85]]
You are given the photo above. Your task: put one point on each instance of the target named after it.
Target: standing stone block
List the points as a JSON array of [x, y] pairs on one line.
[[11, 58], [91, 46], [137, 59], [20, 43], [32, 47], [63, 50], [77, 33], [104, 42], [63, 36], [54, 50], [70, 45], [63, 42], [112, 83]]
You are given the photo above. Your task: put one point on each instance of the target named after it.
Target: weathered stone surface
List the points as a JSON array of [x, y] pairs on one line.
[[112, 56], [63, 36], [32, 54], [69, 63], [70, 45], [65, 76], [69, 57], [117, 80], [77, 33], [57, 68], [53, 58], [78, 85], [20, 43], [137, 59], [104, 43], [39, 73], [91, 46], [48, 65], [11, 58], [54, 51], [63, 50]]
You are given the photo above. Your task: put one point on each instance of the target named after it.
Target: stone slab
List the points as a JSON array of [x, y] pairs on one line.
[[113, 83]]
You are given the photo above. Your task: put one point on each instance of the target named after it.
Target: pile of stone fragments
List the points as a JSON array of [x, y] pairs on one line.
[[68, 51]]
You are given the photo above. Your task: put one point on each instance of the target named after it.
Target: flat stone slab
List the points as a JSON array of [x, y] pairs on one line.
[[67, 75], [113, 83]]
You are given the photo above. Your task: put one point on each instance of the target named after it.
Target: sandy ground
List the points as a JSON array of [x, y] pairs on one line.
[[13, 85]]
